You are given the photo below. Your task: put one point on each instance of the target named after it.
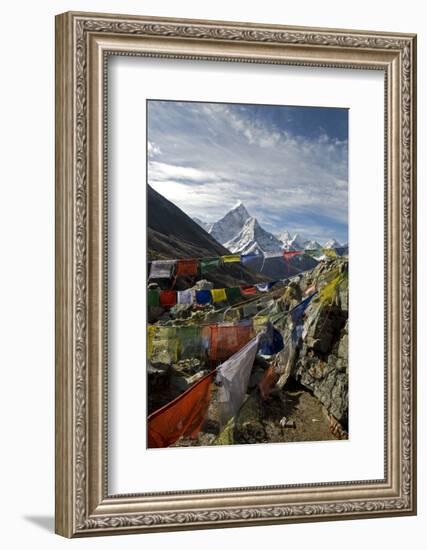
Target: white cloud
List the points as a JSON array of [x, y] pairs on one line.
[[214, 155], [153, 150]]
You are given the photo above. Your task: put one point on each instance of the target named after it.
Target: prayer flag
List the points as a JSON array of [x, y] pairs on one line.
[[167, 298], [270, 342], [248, 290], [342, 250], [153, 297], [185, 296], [259, 323], [248, 258], [150, 338], [227, 339], [272, 254], [183, 416], [208, 264], [310, 289], [230, 258], [162, 344], [190, 342], [186, 268], [203, 297], [298, 311], [264, 287], [329, 252], [249, 310], [267, 382], [291, 253], [161, 269], [233, 377], [219, 295], [233, 294], [329, 292]]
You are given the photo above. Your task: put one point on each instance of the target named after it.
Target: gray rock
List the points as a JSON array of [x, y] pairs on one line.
[[248, 426]]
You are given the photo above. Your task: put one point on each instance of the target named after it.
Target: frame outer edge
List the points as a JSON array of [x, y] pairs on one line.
[[73, 517], [64, 276]]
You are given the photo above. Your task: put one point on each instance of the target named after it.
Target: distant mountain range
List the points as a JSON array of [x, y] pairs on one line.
[[241, 233], [173, 234]]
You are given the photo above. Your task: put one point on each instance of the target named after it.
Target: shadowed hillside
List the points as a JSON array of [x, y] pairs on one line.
[[172, 234]]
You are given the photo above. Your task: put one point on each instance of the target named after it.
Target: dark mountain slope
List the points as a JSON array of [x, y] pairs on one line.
[[167, 220], [172, 234]]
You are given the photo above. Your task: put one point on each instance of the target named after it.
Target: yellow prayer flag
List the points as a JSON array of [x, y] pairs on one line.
[[230, 258], [162, 344], [150, 338], [330, 252], [329, 292], [219, 295], [259, 323]]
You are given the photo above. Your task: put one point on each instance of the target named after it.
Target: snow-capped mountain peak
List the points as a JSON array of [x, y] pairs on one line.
[[231, 224], [292, 242], [253, 238], [312, 245], [332, 243]]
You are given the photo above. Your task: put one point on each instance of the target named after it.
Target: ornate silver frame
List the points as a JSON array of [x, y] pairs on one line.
[[83, 42]]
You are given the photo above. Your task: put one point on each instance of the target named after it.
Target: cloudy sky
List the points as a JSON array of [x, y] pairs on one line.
[[288, 165]]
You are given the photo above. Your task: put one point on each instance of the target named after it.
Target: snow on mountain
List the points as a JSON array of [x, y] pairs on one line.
[[253, 238], [241, 233], [312, 245], [285, 237], [297, 242], [292, 242], [332, 243], [231, 224], [206, 226]]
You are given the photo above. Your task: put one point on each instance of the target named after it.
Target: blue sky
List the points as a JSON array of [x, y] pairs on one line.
[[288, 165]]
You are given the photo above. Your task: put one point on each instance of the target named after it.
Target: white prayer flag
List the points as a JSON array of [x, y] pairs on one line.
[[186, 296], [233, 375], [161, 269]]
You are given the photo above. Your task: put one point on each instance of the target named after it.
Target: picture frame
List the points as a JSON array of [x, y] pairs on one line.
[[84, 42]]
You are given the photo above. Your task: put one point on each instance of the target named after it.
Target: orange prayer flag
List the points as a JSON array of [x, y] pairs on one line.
[[183, 416]]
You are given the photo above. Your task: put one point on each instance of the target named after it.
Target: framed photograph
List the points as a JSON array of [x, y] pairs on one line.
[[235, 274]]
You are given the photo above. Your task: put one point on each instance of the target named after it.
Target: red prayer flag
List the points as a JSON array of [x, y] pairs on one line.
[[267, 382], [183, 416], [248, 290], [225, 341], [167, 298], [291, 253], [186, 268]]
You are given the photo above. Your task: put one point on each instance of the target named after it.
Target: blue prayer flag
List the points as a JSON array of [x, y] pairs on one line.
[[271, 342], [203, 296], [298, 311], [246, 258], [264, 287]]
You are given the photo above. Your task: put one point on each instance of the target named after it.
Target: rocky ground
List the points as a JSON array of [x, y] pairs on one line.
[[310, 399]]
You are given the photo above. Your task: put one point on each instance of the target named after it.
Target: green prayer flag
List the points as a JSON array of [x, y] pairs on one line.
[[233, 293], [190, 341], [153, 297], [208, 264]]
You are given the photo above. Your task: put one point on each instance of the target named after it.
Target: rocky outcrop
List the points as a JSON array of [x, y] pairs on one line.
[[319, 361]]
